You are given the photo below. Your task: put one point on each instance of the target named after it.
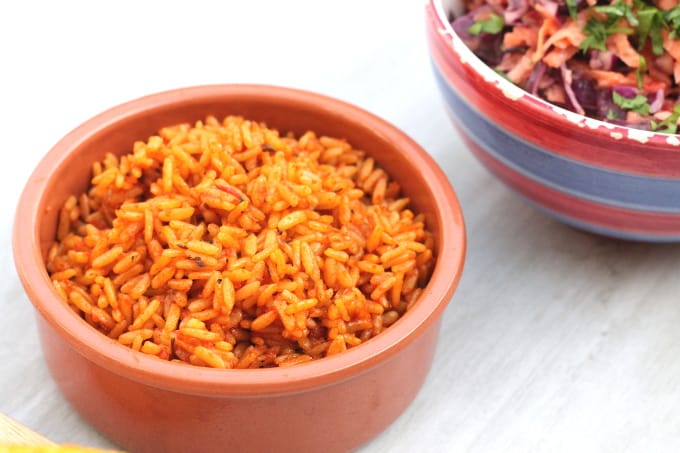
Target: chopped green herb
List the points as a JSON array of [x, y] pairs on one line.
[[572, 6], [492, 24], [502, 74], [670, 124], [598, 31], [643, 23], [672, 19], [596, 35], [617, 11], [637, 104], [651, 21], [639, 72]]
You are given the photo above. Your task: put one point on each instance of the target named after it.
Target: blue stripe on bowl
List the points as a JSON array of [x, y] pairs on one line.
[[566, 175]]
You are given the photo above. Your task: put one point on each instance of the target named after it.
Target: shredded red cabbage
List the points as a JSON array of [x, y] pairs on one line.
[[589, 68]]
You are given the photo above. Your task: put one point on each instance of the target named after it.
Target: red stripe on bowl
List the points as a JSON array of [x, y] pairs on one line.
[[536, 122]]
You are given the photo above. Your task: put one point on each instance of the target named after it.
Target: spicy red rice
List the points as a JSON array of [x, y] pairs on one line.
[[227, 245]]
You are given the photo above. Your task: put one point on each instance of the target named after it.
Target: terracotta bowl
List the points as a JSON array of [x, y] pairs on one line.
[[145, 404], [612, 180]]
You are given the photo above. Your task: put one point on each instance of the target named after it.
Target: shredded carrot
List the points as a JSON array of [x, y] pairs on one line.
[[520, 36], [555, 94], [666, 4], [676, 71], [611, 47], [522, 69], [672, 47], [569, 36], [610, 78], [620, 45], [548, 28], [556, 57]]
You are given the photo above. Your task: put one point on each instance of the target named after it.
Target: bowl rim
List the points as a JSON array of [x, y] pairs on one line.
[[186, 378], [537, 106]]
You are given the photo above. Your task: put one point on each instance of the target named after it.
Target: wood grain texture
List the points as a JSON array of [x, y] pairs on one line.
[[14, 433], [556, 340]]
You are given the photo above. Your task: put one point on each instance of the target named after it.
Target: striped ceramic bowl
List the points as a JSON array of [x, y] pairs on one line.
[[607, 179]]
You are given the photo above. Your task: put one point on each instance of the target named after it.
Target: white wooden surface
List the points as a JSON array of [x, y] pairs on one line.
[[555, 341]]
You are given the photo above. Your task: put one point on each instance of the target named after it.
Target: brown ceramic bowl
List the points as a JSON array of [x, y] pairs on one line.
[[145, 404]]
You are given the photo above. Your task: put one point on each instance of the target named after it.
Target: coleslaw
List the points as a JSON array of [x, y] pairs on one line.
[[616, 61]]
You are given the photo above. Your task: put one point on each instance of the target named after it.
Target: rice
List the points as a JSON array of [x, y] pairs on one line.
[[227, 245]]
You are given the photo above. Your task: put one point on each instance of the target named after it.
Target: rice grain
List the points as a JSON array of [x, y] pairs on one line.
[[225, 244]]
